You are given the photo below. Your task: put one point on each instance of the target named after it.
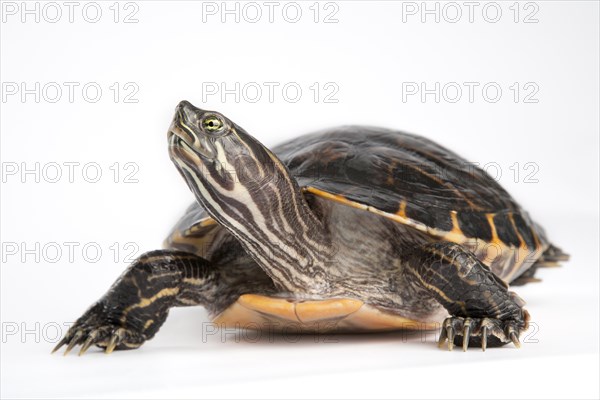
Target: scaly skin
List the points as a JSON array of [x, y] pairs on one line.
[[483, 312], [137, 304], [480, 305]]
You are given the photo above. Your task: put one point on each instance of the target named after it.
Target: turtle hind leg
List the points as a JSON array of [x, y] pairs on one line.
[[482, 311], [551, 258], [135, 307], [527, 277]]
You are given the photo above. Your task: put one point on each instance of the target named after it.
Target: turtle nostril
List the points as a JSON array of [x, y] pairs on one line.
[[184, 104]]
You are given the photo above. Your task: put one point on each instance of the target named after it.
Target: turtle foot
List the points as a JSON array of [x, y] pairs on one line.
[[96, 327], [481, 332]]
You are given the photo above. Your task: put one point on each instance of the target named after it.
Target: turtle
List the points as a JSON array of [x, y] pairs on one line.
[[349, 229]]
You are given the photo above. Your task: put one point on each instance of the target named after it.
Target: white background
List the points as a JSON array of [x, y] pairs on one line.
[[171, 54]]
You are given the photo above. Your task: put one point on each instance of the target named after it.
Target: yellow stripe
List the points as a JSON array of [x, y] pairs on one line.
[[194, 281], [456, 235], [522, 249], [145, 302], [438, 291], [341, 199]]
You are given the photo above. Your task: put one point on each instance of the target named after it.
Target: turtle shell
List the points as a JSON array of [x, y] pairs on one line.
[[408, 179]]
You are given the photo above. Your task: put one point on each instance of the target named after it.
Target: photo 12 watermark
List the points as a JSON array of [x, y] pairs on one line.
[[69, 172], [54, 12], [270, 92], [453, 12], [68, 252], [320, 333], [253, 12], [490, 92], [69, 92]]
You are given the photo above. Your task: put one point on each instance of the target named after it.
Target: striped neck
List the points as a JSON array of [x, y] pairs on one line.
[[249, 191]]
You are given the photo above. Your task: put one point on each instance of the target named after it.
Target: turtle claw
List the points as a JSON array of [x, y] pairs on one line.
[[115, 340], [515, 339], [95, 328], [111, 344], [441, 341], [60, 344], [88, 343], [73, 342], [450, 334], [481, 332], [93, 338], [466, 334], [484, 336], [107, 337]]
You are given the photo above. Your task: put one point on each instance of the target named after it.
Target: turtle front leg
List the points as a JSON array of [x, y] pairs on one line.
[[137, 304], [483, 312]]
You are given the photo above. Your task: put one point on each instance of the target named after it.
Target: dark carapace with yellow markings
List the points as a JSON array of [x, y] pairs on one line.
[[347, 230]]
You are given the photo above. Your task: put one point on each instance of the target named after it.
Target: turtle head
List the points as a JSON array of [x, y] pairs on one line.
[[249, 191], [230, 172], [215, 154]]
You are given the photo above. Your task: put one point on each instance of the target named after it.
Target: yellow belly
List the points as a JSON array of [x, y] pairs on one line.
[[258, 312]]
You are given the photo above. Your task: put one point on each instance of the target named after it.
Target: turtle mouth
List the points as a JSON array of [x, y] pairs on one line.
[[188, 145]]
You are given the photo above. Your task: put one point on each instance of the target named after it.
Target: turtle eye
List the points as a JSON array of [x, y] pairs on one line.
[[212, 124]]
